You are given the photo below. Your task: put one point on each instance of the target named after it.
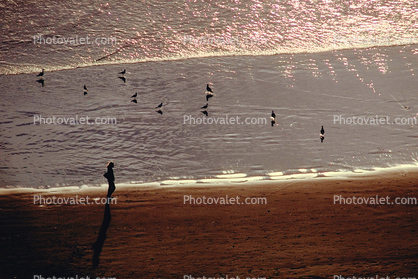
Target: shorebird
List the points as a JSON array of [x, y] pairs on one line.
[[159, 106], [160, 111], [273, 118], [134, 95], [205, 106], [208, 88], [205, 112], [85, 93], [123, 79], [134, 101], [321, 135], [123, 72], [41, 74], [85, 88]]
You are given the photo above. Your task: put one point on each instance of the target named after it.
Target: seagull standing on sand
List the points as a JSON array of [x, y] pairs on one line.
[[41, 74]]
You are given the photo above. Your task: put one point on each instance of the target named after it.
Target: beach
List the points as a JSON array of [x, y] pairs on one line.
[[250, 139], [300, 231]]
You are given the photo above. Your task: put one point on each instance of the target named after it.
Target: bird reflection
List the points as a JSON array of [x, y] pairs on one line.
[[41, 81]]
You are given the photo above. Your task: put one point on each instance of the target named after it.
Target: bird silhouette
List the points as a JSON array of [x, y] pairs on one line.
[[208, 88], [41, 74], [159, 106], [85, 88], [160, 111], [322, 132], [134, 95], [123, 72], [85, 93], [205, 106], [273, 118], [205, 112], [123, 79], [134, 101]]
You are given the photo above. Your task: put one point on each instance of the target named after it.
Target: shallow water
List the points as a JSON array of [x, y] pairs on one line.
[[305, 90]]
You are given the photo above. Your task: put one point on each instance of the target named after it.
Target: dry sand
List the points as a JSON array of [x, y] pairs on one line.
[[299, 233]]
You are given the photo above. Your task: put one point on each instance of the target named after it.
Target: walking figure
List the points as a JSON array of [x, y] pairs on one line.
[[110, 179]]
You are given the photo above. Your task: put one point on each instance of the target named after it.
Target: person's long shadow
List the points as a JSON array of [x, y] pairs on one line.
[[98, 245]]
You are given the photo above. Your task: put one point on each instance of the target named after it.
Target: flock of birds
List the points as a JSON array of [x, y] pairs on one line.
[[209, 94]]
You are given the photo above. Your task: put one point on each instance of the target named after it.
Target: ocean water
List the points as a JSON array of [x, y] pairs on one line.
[[346, 65]]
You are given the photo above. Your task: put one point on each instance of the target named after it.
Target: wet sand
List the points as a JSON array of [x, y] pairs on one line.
[[151, 233]]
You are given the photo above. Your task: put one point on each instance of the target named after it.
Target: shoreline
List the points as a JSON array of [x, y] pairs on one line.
[[152, 233], [233, 179], [285, 52]]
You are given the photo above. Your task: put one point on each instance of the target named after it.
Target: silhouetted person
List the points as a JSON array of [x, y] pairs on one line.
[[110, 179]]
